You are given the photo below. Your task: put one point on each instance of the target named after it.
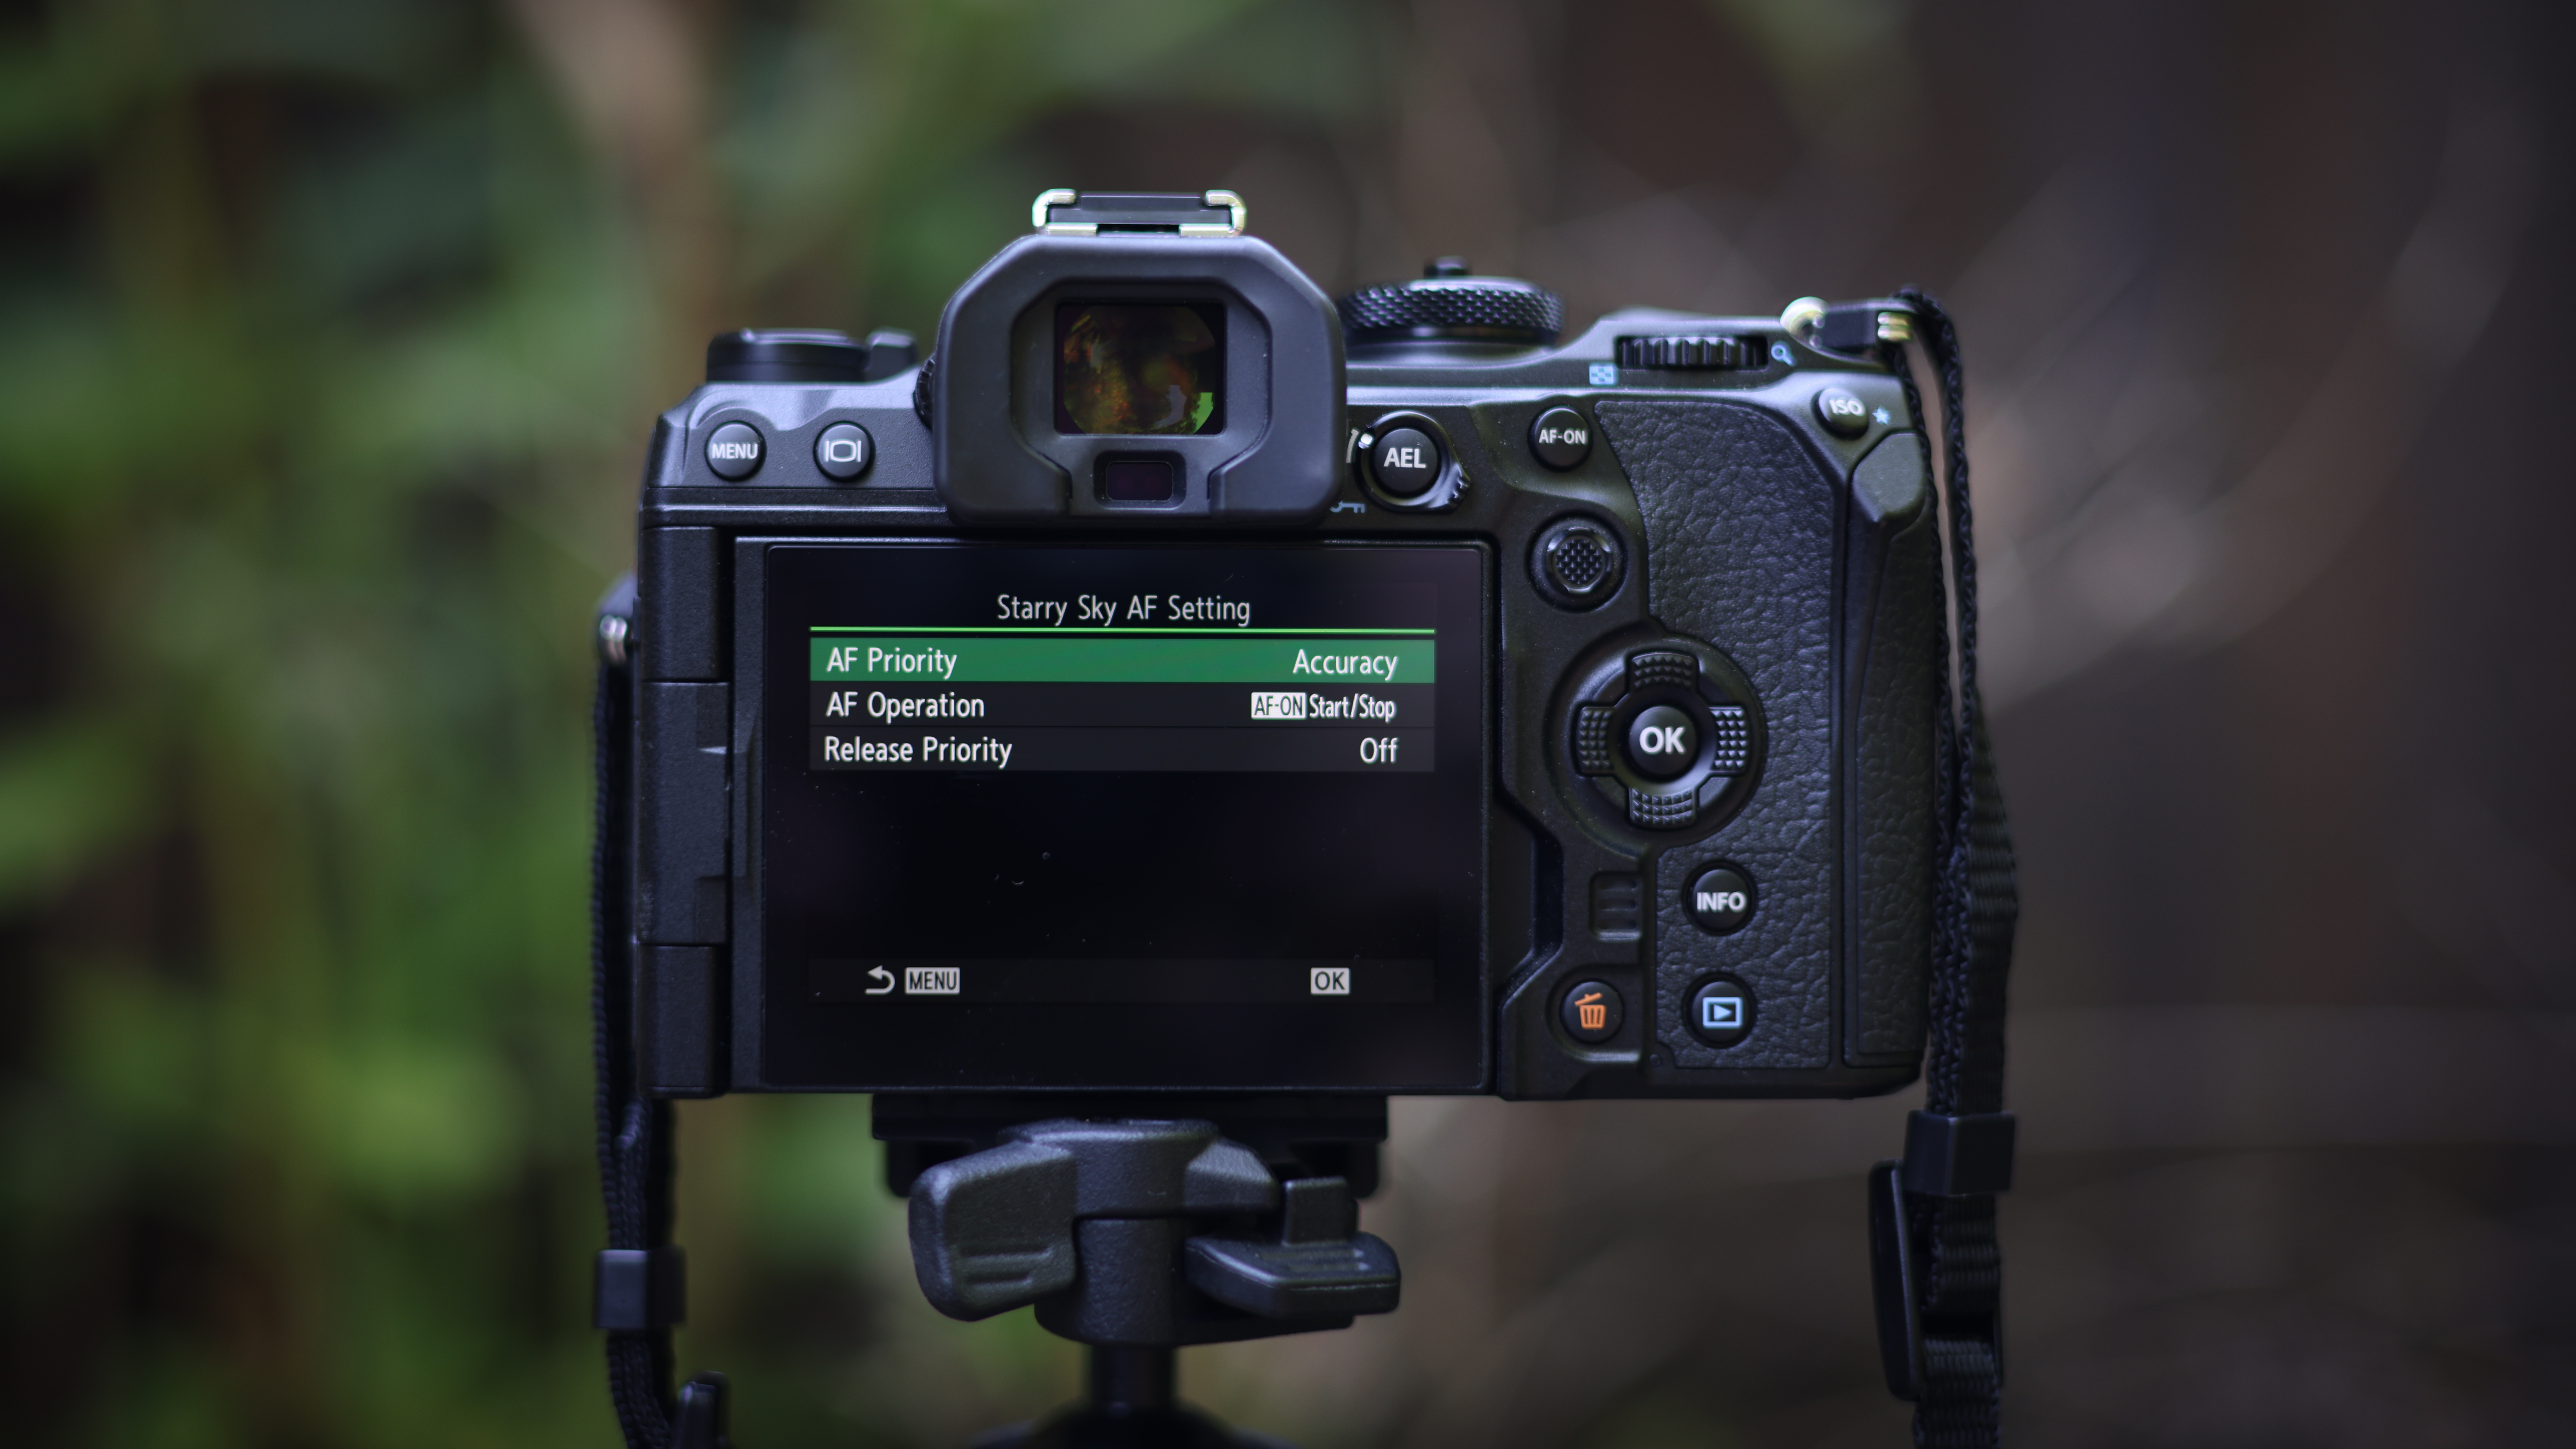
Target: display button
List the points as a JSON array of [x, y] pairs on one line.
[[1721, 900], [1561, 438], [844, 451], [1591, 1011], [734, 451], [1843, 415], [1721, 1012], [1662, 742], [1405, 462]]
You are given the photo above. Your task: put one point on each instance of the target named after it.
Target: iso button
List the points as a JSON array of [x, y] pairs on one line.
[[734, 451], [844, 451], [1405, 462], [1843, 415], [1560, 438]]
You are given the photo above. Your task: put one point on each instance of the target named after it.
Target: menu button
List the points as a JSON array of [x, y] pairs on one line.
[[733, 451]]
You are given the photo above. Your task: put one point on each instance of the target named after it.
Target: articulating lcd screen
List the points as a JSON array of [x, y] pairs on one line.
[[1073, 816]]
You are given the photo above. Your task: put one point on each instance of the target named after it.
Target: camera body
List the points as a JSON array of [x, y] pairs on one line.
[[1183, 686]]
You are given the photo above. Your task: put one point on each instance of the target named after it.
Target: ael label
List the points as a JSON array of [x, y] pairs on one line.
[[1405, 455]]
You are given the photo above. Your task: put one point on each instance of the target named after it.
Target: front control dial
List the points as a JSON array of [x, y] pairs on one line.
[[1670, 734]]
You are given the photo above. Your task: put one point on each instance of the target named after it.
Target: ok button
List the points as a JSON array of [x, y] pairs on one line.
[[1662, 742]]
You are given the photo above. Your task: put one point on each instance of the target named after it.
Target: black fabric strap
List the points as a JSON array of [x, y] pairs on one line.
[[1950, 1284], [634, 1132]]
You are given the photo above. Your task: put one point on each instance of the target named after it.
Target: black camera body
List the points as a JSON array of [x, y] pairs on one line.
[[1183, 686]]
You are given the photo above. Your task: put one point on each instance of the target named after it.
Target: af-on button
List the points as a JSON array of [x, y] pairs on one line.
[[1560, 438]]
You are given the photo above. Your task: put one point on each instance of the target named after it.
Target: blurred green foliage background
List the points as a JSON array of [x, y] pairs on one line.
[[329, 337]]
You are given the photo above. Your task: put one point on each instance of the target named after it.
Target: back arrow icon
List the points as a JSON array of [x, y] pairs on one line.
[[879, 973]]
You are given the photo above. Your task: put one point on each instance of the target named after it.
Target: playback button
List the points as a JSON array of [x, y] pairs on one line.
[[1721, 1012]]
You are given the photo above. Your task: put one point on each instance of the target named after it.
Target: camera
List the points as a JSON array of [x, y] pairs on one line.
[[1180, 683], [1184, 710]]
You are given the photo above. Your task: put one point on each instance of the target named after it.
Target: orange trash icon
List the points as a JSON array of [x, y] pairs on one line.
[[1590, 1010]]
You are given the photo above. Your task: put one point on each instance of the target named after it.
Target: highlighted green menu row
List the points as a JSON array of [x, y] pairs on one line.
[[1092, 659]]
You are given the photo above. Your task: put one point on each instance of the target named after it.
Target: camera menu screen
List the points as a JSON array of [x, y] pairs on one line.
[[1143, 696], [1123, 816]]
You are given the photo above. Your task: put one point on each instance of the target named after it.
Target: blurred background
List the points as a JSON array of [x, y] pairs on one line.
[[330, 337]]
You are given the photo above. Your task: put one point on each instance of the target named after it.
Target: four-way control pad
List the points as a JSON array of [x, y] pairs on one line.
[[1669, 734]]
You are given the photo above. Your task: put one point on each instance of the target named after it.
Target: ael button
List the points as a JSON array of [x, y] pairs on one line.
[[734, 450], [1404, 462], [1591, 1011]]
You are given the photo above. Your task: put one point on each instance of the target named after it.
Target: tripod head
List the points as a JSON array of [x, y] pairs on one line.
[[1137, 1236], [1146, 1234]]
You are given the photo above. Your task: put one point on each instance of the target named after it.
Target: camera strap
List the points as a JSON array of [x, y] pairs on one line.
[[1936, 1266], [639, 1291]]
